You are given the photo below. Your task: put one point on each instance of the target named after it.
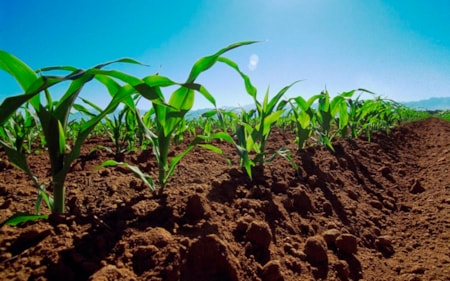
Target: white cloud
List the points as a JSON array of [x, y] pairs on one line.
[[253, 62]]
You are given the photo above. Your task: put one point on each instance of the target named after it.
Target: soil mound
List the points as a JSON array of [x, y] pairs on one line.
[[376, 210]]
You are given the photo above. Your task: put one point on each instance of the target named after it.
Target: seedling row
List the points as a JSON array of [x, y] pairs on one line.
[[34, 121]]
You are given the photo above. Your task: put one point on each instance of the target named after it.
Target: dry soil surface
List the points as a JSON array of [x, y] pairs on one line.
[[376, 210]]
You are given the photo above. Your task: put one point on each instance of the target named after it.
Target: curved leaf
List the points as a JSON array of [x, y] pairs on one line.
[[205, 63], [19, 218], [23, 74], [251, 90]]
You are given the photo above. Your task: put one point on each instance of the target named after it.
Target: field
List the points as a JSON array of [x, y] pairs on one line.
[[370, 209], [339, 187]]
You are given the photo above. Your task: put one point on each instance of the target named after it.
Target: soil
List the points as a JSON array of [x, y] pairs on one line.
[[376, 210]]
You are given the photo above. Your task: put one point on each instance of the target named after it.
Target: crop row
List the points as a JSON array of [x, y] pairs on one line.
[[35, 117]]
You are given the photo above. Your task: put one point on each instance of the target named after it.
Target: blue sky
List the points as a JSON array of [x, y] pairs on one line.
[[397, 49]]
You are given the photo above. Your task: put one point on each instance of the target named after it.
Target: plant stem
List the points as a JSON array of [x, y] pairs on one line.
[[59, 191], [164, 145]]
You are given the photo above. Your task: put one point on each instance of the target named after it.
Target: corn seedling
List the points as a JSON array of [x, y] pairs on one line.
[[168, 115], [254, 128], [303, 115], [20, 131], [332, 116], [53, 119]]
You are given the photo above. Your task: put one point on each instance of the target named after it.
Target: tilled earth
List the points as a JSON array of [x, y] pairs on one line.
[[376, 210]]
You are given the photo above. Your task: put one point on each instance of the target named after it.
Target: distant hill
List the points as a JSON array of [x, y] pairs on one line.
[[430, 104]]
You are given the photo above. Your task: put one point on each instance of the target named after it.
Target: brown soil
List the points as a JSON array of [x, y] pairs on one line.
[[375, 210]]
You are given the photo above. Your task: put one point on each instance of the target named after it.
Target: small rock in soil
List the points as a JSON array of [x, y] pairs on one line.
[[208, 258], [316, 249], [111, 272], [271, 271], [302, 201], [342, 269], [330, 236], [197, 208], [347, 243], [280, 187], [384, 245], [259, 233]]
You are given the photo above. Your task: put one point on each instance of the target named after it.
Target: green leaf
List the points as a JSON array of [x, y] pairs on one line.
[[17, 158], [212, 148], [205, 63], [347, 95], [202, 90], [42, 195], [182, 99], [144, 177], [83, 110], [279, 95], [107, 163], [136, 171], [271, 119], [286, 154], [210, 113], [159, 81], [62, 138], [304, 120], [24, 75], [11, 104], [65, 103], [251, 90], [222, 136], [122, 60], [19, 218]]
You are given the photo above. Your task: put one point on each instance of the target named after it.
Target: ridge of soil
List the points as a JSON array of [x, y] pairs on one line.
[[376, 210]]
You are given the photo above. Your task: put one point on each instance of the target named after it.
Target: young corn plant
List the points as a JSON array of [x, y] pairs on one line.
[[53, 119], [121, 126], [169, 115], [332, 116], [205, 125], [355, 116], [356, 112], [180, 131], [374, 115], [20, 131], [409, 114], [303, 116], [222, 120], [254, 128]]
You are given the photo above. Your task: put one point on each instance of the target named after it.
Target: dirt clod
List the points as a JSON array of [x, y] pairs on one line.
[[347, 243], [384, 245], [209, 259], [111, 272], [271, 271], [196, 208], [316, 249], [330, 236], [259, 233]]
